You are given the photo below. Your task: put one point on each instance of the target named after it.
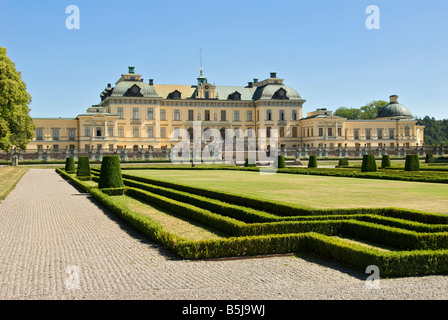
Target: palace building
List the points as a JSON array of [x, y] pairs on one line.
[[137, 115]]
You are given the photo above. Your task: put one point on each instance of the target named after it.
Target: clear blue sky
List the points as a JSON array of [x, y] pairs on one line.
[[321, 48]]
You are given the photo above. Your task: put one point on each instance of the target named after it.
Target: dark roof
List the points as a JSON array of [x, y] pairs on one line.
[[394, 110]]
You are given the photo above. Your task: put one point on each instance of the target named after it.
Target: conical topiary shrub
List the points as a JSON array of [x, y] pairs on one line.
[[281, 162], [385, 161], [110, 175], [312, 162], [429, 158], [368, 163], [83, 167], [412, 163], [70, 165]]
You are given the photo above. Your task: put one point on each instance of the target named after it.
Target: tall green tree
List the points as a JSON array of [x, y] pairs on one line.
[[16, 125], [349, 113], [370, 111]]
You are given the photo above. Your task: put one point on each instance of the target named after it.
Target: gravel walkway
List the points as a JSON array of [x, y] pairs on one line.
[[55, 243]]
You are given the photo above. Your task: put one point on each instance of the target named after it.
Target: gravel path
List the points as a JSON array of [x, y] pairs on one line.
[[55, 243]]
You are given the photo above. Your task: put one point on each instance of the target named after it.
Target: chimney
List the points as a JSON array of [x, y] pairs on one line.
[[109, 85], [393, 99], [273, 75], [151, 82], [250, 84], [131, 69], [255, 80]]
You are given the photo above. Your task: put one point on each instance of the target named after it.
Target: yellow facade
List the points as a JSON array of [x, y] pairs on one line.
[[137, 115]]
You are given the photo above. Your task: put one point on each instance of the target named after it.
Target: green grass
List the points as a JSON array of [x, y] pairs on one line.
[[321, 192], [9, 177]]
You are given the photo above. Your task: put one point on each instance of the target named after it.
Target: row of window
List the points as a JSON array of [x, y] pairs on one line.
[[55, 134], [207, 115], [309, 132]]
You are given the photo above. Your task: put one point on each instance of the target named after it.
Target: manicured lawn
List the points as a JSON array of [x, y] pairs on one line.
[[9, 176], [313, 191]]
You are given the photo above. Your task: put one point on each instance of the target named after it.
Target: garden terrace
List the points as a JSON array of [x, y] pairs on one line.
[[202, 223]]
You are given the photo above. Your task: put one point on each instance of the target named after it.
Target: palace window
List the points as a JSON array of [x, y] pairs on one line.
[[56, 148], [223, 115], [282, 132], [391, 133], [356, 134], [135, 114], [207, 115], [162, 114], [294, 114], [236, 115], [339, 131], [120, 113], [380, 134], [281, 115], [71, 134], [177, 115], [39, 134], [86, 131], [162, 132], [268, 115], [150, 132], [268, 132], [407, 132], [150, 113], [249, 115], [55, 134], [321, 132], [121, 132], [190, 115], [110, 131], [330, 132], [368, 135], [294, 132], [135, 131]]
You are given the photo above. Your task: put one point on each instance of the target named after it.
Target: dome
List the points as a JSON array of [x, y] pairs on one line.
[[394, 110]]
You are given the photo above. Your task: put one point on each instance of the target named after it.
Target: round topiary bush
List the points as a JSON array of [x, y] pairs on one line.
[[83, 167], [110, 174], [343, 163], [368, 163], [312, 162], [385, 161], [281, 162], [70, 165], [412, 163], [429, 158]]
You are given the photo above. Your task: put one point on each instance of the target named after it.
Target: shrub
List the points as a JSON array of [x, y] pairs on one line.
[[83, 167], [368, 163], [70, 165], [343, 163], [110, 174], [312, 162], [412, 163], [385, 161], [429, 158], [281, 162]]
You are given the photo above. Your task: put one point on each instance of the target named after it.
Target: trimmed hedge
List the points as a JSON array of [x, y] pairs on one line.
[[412, 163], [385, 161], [368, 163], [110, 174], [343, 163], [281, 162], [70, 165], [83, 167], [429, 158], [312, 162], [321, 241]]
